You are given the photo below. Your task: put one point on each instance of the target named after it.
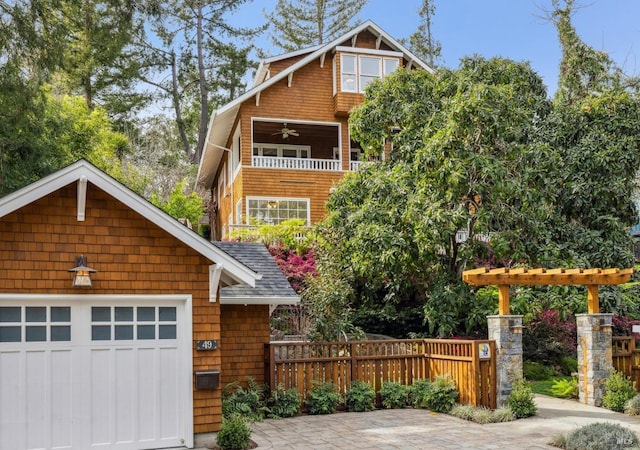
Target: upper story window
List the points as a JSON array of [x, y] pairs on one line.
[[357, 71]]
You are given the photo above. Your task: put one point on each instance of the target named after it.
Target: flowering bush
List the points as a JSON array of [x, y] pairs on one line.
[[296, 267], [547, 338]]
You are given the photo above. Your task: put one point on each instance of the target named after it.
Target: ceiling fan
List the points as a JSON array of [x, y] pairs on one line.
[[286, 132]]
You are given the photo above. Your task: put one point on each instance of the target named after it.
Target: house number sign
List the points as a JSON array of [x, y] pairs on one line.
[[208, 344]]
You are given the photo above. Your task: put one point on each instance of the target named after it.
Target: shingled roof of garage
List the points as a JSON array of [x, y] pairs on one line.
[[272, 289]]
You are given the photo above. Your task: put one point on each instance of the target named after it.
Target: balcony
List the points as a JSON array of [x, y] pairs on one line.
[[275, 162]]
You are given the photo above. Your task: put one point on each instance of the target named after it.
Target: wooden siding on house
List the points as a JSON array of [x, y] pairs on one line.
[[245, 331], [314, 185], [39, 243]]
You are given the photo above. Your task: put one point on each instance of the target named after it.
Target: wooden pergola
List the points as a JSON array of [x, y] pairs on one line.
[[504, 277]]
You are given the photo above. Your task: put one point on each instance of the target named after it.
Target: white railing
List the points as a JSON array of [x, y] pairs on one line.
[[273, 162], [354, 166]]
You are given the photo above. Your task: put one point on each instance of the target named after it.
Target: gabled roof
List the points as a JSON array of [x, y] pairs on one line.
[[233, 271], [272, 289], [222, 120]]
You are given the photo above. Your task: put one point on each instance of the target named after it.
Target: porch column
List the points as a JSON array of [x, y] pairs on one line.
[[594, 356], [506, 330]]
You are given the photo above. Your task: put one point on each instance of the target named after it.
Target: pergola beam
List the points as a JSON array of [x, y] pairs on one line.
[[504, 277]]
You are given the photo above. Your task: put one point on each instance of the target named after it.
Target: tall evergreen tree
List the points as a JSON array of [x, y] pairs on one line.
[[302, 23], [191, 56], [422, 43]]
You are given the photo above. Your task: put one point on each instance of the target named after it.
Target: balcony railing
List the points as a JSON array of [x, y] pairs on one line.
[[273, 162], [243, 232]]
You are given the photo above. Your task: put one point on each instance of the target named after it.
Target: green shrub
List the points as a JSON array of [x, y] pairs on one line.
[[618, 389], [536, 371], [443, 395], [419, 393], [601, 436], [632, 407], [323, 398], [520, 400], [360, 397], [284, 402], [568, 365], [234, 434], [394, 395], [247, 402], [564, 388]]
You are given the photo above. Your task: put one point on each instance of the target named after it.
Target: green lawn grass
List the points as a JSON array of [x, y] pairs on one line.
[[544, 386]]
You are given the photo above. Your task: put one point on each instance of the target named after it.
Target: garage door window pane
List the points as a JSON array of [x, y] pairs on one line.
[[146, 314], [36, 314], [101, 333], [10, 334], [10, 314], [60, 314], [124, 332], [36, 334], [146, 331], [60, 333], [101, 314], [124, 314], [167, 331], [167, 314]]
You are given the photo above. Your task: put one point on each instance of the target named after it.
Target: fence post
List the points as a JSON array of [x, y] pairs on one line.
[[269, 365], [354, 361], [476, 380]]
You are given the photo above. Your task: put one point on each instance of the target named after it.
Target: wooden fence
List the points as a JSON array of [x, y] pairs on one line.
[[470, 363], [626, 358]]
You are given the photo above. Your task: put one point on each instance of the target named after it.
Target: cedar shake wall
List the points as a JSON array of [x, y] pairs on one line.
[[245, 331], [40, 242]]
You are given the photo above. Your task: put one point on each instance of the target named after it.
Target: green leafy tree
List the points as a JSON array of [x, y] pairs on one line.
[[298, 24], [99, 32], [484, 170], [181, 205]]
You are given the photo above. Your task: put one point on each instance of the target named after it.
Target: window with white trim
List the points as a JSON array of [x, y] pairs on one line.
[[357, 71], [274, 210], [282, 150]]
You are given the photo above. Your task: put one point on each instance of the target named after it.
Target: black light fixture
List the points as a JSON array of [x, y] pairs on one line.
[[82, 273]]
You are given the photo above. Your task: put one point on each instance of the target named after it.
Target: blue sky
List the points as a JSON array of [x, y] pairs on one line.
[[514, 29]]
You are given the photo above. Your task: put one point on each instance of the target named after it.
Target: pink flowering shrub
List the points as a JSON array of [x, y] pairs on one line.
[[296, 267]]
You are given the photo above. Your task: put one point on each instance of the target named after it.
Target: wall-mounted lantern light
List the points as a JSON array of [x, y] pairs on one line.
[[82, 273]]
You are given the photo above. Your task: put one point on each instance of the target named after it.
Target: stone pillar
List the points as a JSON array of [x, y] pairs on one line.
[[507, 332], [594, 356]]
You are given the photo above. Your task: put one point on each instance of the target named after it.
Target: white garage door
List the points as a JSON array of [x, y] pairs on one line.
[[95, 372]]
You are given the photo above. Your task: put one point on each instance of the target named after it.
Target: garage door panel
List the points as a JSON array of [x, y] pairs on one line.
[[169, 399], [101, 393], [125, 399], [61, 405], [11, 406], [147, 391], [36, 399]]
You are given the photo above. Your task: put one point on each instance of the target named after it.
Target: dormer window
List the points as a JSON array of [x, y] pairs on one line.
[[357, 71]]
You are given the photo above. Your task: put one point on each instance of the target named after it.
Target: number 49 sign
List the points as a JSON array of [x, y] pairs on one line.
[[208, 344], [484, 351]]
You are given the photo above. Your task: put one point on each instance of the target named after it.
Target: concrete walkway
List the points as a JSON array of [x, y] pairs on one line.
[[413, 429]]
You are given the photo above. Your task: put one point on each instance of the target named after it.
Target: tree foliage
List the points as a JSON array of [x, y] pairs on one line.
[[484, 170], [181, 205], [298, 24]]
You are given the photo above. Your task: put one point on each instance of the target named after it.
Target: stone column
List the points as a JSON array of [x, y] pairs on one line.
[[507, 332], [594, 356]]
